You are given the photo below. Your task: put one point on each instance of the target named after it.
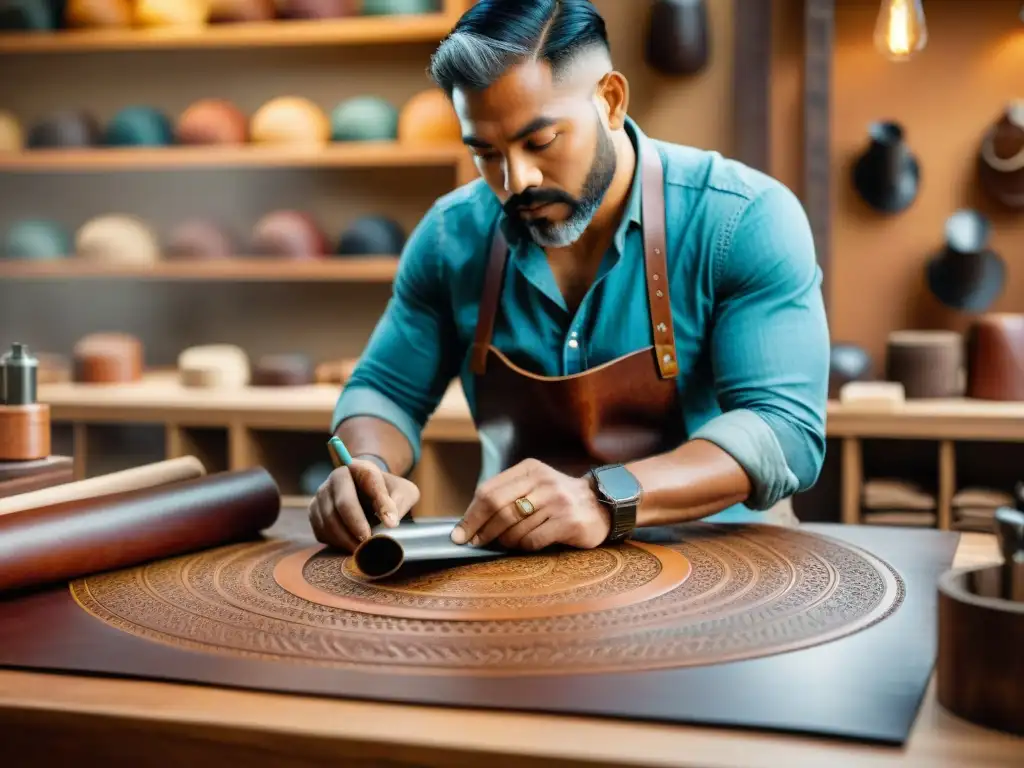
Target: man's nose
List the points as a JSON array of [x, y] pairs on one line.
[[520, 175]]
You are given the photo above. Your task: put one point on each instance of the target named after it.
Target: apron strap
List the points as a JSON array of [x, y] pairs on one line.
[[489, 302], [653, 217]]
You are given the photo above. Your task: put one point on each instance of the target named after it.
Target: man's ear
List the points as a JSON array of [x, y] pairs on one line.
[[613, 97]]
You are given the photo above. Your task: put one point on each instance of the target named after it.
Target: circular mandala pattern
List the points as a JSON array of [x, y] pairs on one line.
[[539, 586], [751, 591]]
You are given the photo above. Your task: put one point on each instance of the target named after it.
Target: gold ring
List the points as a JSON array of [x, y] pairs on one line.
[[525, 506]]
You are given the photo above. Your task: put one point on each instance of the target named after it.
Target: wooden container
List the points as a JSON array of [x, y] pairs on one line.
[[995, 357], [108, 358], [981, 650], [929, 364], [24, 432]]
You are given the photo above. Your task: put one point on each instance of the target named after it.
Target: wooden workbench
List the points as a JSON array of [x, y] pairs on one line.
[[49, 719]]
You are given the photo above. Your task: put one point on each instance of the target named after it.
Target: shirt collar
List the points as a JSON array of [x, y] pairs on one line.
[[631, 215]]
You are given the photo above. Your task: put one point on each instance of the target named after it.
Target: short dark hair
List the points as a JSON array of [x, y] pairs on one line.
[[495, 35]]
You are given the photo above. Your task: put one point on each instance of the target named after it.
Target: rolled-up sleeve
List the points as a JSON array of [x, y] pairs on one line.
[[770, 347], [411, 356]]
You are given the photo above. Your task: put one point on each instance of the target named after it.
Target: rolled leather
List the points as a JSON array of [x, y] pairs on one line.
[[995, 357], [133, 479], [389, 549], [77, 538]]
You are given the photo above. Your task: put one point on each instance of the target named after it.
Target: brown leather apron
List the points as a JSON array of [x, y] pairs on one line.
[[623, 410]]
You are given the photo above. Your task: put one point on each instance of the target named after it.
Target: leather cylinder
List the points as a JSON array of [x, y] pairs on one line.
[[76, 538], [372, 235], [995, 358], [289, 370], [24, 432], [677, 37], [108, 358], [139, 126], [187, 14], [929, 364], [214, 366]]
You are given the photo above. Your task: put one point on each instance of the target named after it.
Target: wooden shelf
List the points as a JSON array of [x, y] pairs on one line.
[[365, 30], [351, 269], [368, 154]]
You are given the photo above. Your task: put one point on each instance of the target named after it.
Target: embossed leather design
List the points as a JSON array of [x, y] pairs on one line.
[[995, 358], [62, 541], [689, 655], [623, 410]]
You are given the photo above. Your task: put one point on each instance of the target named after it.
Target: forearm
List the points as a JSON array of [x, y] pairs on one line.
[[371, 436], [693, 481]]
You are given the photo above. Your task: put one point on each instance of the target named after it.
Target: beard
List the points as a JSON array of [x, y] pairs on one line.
[[560, 234]]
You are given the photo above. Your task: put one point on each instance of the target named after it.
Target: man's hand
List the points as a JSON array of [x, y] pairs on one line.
[[336, 512], [565, 511]]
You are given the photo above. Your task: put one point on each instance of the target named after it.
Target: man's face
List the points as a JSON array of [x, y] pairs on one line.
[[542, 148]]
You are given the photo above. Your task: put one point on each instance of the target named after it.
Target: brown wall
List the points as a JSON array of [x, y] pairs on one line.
[[324, 320], [946, 98]]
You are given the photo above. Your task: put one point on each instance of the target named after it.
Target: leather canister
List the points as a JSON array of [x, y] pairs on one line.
[[199, 239], [995, 357], [117, 239], [108, 358], [214, 366], [98, 14], [24, 432], [67, 129], [232, 11], [929, 364], [289, 370]]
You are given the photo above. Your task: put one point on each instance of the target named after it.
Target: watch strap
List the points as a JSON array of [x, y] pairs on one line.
[[622, 511]]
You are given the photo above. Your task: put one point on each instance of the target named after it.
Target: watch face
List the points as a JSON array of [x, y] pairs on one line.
[[618, 484]]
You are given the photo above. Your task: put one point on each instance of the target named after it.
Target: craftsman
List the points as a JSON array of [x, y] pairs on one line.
[[638, 326]]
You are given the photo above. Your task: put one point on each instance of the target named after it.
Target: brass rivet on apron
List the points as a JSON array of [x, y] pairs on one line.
[[657, 251], [655, 276], [668, 358], [659, 294], [661, 327]]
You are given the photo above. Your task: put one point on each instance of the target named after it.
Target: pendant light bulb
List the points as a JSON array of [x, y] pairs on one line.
[[900, 31]]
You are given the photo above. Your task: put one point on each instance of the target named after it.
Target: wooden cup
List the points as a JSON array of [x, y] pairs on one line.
[[24, 432]]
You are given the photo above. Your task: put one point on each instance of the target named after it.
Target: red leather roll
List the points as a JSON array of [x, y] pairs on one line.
[[77, 538]]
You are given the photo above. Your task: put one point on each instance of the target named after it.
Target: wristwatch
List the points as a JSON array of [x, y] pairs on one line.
[[619, 490]]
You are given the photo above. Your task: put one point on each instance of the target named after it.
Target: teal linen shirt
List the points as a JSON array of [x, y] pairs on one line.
[[751, 334]]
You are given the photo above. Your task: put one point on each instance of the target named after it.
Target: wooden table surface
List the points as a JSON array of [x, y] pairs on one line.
[[50, 719]]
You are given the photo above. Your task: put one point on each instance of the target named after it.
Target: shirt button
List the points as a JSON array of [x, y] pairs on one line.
[[573, 343]]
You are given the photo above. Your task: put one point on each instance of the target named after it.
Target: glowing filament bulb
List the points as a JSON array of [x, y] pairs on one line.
[[900, 31]]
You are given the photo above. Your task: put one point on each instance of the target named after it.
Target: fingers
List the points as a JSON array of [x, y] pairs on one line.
[[492, 498], [510, 516], [512, 538], [326, 526], [553, 530], [404, 494], [370, 480]]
